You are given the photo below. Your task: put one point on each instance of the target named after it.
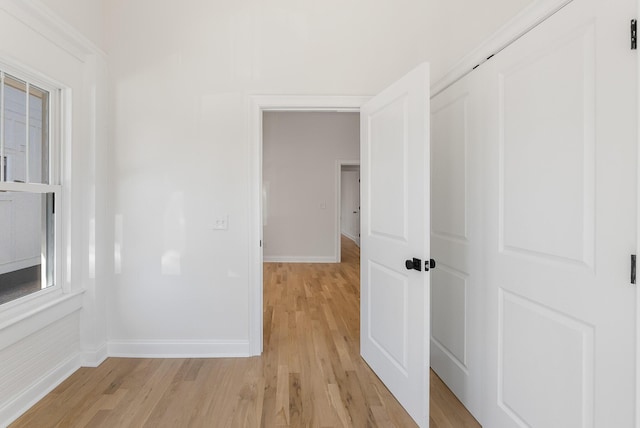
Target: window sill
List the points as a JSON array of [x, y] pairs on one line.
[[36, 314]]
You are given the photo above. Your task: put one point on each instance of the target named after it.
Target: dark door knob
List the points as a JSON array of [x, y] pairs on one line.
[[415, 264], [429, 264]]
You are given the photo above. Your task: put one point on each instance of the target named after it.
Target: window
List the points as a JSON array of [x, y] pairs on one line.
[[28, 186]]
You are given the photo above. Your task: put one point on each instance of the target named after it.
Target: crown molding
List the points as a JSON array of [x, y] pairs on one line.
[[44, 21]]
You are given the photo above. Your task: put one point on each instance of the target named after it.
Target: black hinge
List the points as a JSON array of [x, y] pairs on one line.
[[53, 203], [633, 268], [634, 34]]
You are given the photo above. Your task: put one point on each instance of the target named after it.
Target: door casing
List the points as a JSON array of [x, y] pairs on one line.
[[339, 220], [258, 105]]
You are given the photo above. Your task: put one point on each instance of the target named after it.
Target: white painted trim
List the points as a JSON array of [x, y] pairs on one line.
[[36, 392], [44, 21], [179, 348], [27, 322], [298, 259], [637, 374], [95, 357], [257, 104], [521, 24], [10, 186], [339, 165]]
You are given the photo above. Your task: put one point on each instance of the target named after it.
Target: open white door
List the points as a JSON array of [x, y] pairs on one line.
[[394, 335]]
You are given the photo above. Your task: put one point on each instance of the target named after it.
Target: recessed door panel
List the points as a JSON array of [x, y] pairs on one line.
[[448, 171], [547, 109], [540, 387], [389, 300], [388, 173], [449, 313]]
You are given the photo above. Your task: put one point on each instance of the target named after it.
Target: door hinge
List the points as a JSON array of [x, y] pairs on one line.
[[53, 203], [261, 243], [634, 34], [633, 268]]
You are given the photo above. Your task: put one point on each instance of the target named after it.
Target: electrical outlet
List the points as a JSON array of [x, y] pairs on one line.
[[221, 223]]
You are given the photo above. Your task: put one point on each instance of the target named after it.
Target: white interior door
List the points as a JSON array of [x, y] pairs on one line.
[[457, 298], [394, 335], [560, 177]]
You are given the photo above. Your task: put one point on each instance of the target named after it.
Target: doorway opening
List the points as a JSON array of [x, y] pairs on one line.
[[348, 179], [259, 105], [301, 183]]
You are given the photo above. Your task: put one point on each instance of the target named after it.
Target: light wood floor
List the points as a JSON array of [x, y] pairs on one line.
[[310, 373]]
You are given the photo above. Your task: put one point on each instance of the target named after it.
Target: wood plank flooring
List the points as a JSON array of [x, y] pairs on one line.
[[310, 374]]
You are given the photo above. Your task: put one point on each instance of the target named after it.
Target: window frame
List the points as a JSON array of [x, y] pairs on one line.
[[57, 126]]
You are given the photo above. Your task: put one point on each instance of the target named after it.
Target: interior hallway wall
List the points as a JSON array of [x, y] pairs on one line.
[[300, 151]]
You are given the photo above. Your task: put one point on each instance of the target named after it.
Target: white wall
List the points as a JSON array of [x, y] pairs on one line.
[[350, 202], [85, 16], [300, 151], [181, 75], [456, 27], [140, 231], [49, 335]]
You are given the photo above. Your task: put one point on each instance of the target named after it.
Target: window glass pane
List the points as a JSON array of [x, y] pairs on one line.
[[26, 244], [15, 129], [38, 135]]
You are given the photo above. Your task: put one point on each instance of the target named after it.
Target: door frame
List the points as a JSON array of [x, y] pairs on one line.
[[339, 165], [637, 424], [258, 104]]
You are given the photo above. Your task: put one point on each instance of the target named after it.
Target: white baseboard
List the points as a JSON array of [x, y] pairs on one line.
[[349, 236], [95, 357], [179, 349], [25, 400], [297, 259]]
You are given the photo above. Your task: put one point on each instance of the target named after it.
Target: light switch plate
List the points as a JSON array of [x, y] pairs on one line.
[[221, 223]]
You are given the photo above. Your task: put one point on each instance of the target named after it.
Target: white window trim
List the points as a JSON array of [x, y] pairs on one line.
[[60, 178]]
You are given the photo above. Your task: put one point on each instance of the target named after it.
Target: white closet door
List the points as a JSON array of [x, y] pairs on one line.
[[456, 295], [560, 176]]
